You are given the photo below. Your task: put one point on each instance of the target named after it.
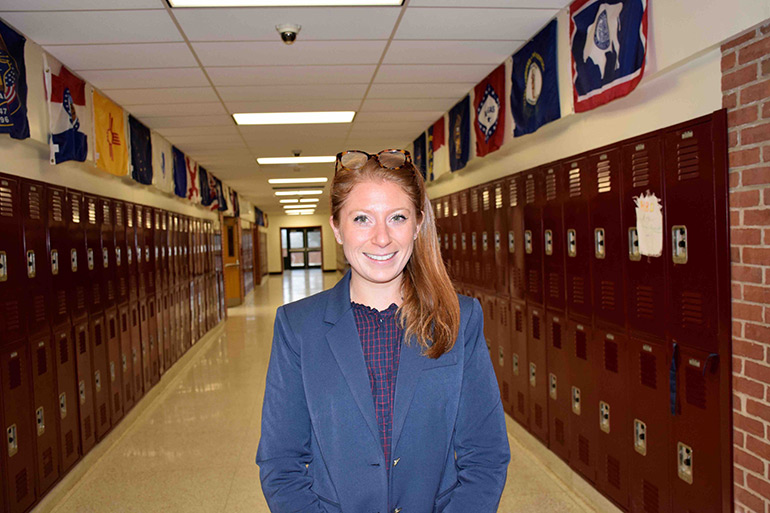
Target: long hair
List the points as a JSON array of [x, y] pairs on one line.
[[430, 311]]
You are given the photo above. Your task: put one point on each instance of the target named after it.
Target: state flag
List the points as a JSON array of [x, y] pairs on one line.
[[180, 172], [535, 82], [460, 134], [193, 183], [221, 202], [418, 154], [68, 118], [141, 151], [439, 151], [13, 84], [489, 106], [608, 40], [214, 192], [203, 177], [236, 205], [110, 149], [162, 164]]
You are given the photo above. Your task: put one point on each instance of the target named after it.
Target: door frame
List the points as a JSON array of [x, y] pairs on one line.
[[280, 242]]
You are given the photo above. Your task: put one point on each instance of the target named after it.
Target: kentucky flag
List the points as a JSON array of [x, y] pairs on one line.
[[489, 105], [13, 84], [141, 151], [419, 154], [162, 164], [180, 173], [67, 115], [608, 47], [460, 134], [535, 82]]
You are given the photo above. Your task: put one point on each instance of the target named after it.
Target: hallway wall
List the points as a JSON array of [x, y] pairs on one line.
[[278, 221]]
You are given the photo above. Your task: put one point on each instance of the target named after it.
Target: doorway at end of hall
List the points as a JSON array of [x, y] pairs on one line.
[[301, 248]]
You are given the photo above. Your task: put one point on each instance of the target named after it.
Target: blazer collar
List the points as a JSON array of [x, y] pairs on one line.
[[339, 300]]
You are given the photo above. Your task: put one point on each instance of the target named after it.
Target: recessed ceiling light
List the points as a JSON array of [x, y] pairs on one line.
[[293, 118], [324, 159], [279, 3], [301, 192], [309, 200], [278, 181], [300, 212], [288, 201]]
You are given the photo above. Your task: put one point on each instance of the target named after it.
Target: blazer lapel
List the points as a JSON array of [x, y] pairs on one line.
[[410, 365]]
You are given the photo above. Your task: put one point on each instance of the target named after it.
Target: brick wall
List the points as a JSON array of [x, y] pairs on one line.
[[746, 95]]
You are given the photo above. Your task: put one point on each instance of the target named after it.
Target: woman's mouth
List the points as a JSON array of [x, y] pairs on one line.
[[380, 258]]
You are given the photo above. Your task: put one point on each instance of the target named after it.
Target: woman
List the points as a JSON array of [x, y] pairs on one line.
[[380, 393]]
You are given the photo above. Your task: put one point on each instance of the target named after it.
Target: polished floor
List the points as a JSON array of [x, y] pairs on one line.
[[192, 450]]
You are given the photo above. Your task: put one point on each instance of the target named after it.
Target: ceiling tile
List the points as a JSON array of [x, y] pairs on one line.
[[291, 92], [429, 90], [284, 75], [439, 104], [472, 24], [297, 105], [512, 4], [450, 52], [231, 130], [277, 53], [396, 117], [177, 109], [122, 56], [89, 27], [163, 96], [225, 139], [77, 5], [432, 73], [186, 121], [145, 78], [312, 146], [258, 24]]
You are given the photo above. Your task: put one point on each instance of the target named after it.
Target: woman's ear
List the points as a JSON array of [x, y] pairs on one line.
[[336, 230], [419, 224]]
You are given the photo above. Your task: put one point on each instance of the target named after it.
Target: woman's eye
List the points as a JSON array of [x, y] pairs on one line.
[[399, 218], [359, 219]]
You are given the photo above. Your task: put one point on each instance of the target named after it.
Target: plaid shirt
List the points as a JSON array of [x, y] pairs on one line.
[[381, 340]]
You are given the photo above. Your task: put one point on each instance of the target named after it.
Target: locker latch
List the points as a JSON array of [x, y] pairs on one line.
[[63, 405], [54, 262], [74, 260], [633, 245], [679, 245], [532, 375], [90, 259], [600, 249], [463, 242], [454, 241], [500, 357], [40, 419], [511, 242], [138, 254], [130, 254], [497, 241], [13, 441], [604, 416], [446, 241], [571, 242], [528, 242], [684, 468], [31, 264], [552, 385], [640, 437], [105, 257], [515, 364], [117, 257], [3, 266], [473, 241], [576, 400], [82, 392], [147, 253], [125, 362], [484, 241], [549, 242], [112, 371]]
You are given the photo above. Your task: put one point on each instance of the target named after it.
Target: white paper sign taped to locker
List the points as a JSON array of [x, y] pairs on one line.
[[649, 224]]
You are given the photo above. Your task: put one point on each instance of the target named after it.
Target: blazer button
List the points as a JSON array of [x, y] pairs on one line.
[[397, 510], [395, 462]]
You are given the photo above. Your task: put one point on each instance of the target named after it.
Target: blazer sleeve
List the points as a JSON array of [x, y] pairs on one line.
[[284, 446], [481, 439]]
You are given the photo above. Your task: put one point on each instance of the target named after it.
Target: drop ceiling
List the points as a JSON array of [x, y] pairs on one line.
[[183, 72]]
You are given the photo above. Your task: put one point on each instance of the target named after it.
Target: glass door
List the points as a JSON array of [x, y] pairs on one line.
[[301, 247]]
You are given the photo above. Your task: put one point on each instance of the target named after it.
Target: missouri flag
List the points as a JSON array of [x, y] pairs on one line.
[[110, 150]]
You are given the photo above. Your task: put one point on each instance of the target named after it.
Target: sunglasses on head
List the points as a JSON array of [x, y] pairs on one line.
[[354, 160]]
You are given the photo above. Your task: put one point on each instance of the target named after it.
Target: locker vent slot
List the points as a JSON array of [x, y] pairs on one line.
[[33, 197], [455, 207], [578, 290], [534, 281], [61, 302], [122, 287], [83, 347], [106, 218], [474, 201], [536, 327], [530, 190], [647, 370], [539, 416], [498, 196], [520, 402], [553, 285], [556, 335], [96, 293], [581, 349], [611, 356], [119, 217], [75, 209], [603, 177], [584, 450], [687, 159], [644, 302], [103, 420], [42, 361], [608, 295], [63, 351], [87, 429], [38, 307], [14, 373], [574, 183], [22, 485], [640, 169], [650, 498], [47, 462], [12, 316], [463, 204], [559, 431], [91, 211], [110, 290], [513, 191], [505, 391], [69, 443], [518, 278], [80, 297], [6, 202], [519, 321], [550, 186], [113, 331], [695, 384], [485, 199], [446, 210], [613, 472], [692, 308], [57, 210]]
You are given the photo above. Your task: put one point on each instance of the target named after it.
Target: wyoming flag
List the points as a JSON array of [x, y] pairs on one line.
[[110, 150], [69, 119]]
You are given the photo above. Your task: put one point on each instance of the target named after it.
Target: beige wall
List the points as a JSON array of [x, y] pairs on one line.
[[277, 221]]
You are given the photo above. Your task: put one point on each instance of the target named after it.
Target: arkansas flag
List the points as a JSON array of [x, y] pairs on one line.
[[69, 120], [110, 150], [608, 40], [489, 106]]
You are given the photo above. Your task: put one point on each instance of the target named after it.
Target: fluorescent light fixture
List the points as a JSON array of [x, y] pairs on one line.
[[325, 159], [309, 200], [300, 212], [279, 3], [308, 192], [277, 181], [293, 118], [305, 207], [288, 201]]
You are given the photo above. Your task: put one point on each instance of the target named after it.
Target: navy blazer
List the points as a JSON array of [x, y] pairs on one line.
[[320, 447]]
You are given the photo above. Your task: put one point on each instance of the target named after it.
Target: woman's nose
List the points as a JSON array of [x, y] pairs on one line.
[[381, 235]]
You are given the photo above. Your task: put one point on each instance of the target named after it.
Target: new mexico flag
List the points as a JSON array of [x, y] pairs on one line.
[[110, 144]]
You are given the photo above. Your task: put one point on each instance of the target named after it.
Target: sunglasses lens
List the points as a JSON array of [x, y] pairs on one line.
[[353, 159], [391, 159]]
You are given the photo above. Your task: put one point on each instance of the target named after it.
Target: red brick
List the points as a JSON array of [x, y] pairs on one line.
[[739, 77], [749, 425], [739, 477], [754, 51], [746, 236], [767, 315], [760, 486], [767, 197], [735, 216], [747, 312], [749, 387], [766, 105], [748, 36], [758, 333], [767, 276], [746, 273], [739, 437], [757, 217], [729, 101], [728, 61], [765, 29], [745, 157], [748, 499], [748, 349], [756, 175], [734, 179], [759, 447], [765, 67], [758, 409], [766, 154], [755, 92], [737, 369], [737, 290], [741, 199], [735, 254], [766, 236], [748, 461], [759, 372], [755, 134], [732, 139], [756, 294], [742, 116]]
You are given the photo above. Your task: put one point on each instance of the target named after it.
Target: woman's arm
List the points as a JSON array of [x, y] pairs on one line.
[[481, 440], [284, 446]]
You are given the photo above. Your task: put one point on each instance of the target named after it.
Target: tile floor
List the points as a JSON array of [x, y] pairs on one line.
[[192, 450]]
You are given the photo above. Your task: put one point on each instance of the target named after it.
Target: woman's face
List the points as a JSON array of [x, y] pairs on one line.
[[377, 228]]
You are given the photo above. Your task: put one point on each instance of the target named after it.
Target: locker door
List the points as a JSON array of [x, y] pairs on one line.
[[12, 260], [149, 250], [93, 270], [115, 364], [533, 235], [45, 411], [486, 242], [167, 331], [132, 267], [499, 238], [503, 356], [645, 275], [519, 365], [121, 251], [465, 236], [105, 219], [85, 390], [152, 331], [476, 228], [578, 240], [537, 372], [58, 261], [136, 351], [446, 230], [100, 375], [144, 330], [141, 267], [584, 402], [649, 456], [192, 320], [454, 235], [76, 292], [37, 273], [553, 237], [126, 361], [489, 308], [614, 421], [67, 393], [19, 456], [559, 405], [159, 248], [516, 236]]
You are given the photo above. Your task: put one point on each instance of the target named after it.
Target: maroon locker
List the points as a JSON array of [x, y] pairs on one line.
[[537, 372], [12, 260], [555, 185], [534, 199], [516, 286], [57, 215], [37, 273], [489, 307], [486, 242], [121, 251], [45, 412], [106, 220], [499, 238], [93, 270], [115, 364], [144, 336], [167, 330], [476, 226], [148, 258], [126, 360], [152, 332], [192, 311], [642, 169], [454, 238], [76, 292], [136, 350], [100, 374], [67, 393], [132, 267], [519, 366], [441, 233], [502, 358], [609, 243], [649, 456], [615, 437], [139, 250], [201, 318], [161, 250], [85, 388], [559, 406], [578, 240], [19, 457], [465, 237], [584, 402]]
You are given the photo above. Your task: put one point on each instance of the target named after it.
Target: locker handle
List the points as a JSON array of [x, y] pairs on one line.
[[713, 357], [679, 246], [672, 378], [633, 245]]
